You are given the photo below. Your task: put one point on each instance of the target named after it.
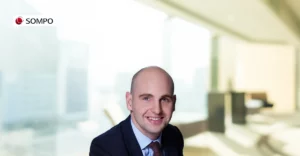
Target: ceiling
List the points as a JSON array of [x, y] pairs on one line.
[[251, 20], [295, 6]]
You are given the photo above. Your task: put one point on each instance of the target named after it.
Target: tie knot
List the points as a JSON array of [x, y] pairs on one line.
[[156, 148]]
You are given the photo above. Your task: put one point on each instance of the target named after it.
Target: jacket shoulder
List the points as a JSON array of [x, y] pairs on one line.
[[172, 129], [107, 136], [174, 136], [107, 142]]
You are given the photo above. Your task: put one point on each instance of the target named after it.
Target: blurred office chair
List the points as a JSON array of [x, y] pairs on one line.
[[114, 113], [262, 96], [256, 101]]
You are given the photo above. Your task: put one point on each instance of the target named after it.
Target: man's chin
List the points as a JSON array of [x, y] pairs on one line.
[[156, 129]]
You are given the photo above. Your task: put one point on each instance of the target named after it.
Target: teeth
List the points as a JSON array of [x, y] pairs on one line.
[[154, 118]]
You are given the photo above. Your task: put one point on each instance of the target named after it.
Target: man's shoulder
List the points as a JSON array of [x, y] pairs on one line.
[[107, 142], [107, 137], [172, 135], [172, 129]]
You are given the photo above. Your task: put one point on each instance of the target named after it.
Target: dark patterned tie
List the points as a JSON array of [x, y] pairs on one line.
[[156, 148]]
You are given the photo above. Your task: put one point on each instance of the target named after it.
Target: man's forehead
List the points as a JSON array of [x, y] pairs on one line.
[[153, 89]]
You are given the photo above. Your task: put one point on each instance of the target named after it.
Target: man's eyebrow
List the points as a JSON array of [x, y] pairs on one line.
[[145, 94], [167, 95]]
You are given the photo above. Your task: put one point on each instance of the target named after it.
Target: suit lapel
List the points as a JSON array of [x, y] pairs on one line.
[[168, 144], [131, 143], [170, 151]]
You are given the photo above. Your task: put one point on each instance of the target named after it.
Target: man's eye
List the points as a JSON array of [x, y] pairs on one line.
[[165, 100], [146, 98]]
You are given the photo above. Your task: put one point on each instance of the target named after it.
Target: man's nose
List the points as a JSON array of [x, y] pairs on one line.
[[157, 108]]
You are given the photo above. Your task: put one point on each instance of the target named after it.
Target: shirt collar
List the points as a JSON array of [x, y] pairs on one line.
[[143, 140]]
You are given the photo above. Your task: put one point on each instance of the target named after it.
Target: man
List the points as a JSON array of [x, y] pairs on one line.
[[146, 131]]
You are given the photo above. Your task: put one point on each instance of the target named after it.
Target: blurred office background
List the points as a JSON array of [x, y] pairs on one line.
[[60, 86]]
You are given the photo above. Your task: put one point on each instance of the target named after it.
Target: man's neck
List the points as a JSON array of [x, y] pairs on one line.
[[150, 136]]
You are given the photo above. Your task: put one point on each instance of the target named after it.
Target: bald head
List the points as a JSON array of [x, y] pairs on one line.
[[151, 71]]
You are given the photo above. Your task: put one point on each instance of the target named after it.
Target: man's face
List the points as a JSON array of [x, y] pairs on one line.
[[151, 103]]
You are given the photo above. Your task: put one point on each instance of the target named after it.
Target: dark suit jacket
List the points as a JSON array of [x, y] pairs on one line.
[[121, 141]]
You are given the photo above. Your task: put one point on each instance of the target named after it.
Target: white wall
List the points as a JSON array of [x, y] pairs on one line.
[[259, 67], [269, 68]]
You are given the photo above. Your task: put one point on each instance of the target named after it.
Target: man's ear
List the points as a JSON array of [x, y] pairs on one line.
[[129, 101], [174, 102]]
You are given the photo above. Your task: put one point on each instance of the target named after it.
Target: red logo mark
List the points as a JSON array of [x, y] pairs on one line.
[[19, 20]]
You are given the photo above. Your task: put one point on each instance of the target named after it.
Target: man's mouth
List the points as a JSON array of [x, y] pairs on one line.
[[155, 120]]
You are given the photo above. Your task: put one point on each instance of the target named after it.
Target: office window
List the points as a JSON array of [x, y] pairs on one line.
[[55, 81], [190, 52]]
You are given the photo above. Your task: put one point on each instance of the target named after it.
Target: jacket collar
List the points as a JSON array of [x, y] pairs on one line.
[[130, 140], [133, 147]]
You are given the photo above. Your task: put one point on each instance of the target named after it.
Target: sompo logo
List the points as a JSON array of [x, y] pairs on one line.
[[19, 20], [34, 21]]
